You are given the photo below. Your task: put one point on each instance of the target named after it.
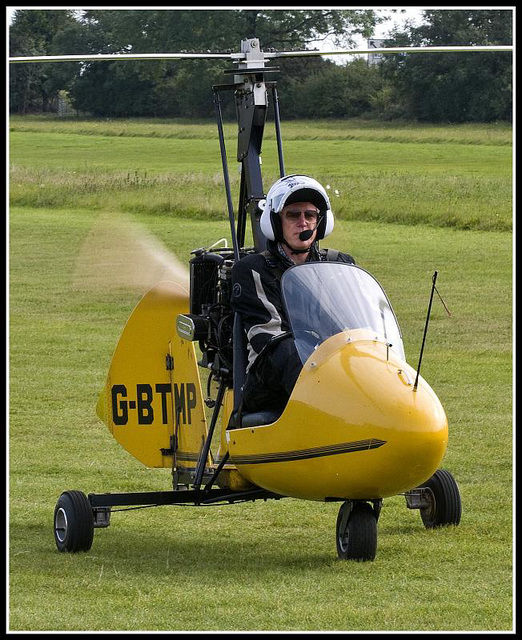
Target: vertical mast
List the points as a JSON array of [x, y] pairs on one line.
[[251, 108]]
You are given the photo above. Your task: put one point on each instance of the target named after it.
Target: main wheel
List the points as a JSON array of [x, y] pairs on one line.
[[356, 531], [73, 522], [444, 501]]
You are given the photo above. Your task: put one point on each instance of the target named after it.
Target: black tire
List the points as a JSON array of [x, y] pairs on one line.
[[73, 522], [445, 506], [356, 532]]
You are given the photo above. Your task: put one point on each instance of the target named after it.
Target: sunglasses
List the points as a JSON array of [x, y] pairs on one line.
[[295, 216]]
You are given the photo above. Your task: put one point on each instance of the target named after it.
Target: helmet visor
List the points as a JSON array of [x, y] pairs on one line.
[[305, 195]]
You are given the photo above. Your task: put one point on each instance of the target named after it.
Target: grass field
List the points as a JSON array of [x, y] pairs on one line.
[[454, 176], [257, 566]]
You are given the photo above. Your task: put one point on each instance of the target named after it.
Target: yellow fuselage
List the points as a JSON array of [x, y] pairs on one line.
[[353, 428]]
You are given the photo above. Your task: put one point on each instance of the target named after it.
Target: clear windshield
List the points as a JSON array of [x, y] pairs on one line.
[[326, 298]]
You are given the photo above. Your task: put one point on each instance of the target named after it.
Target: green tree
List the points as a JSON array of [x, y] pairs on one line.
[[333, 91], [175, 30], [162, 87], [35, 87], [455, 87], [175, 88]]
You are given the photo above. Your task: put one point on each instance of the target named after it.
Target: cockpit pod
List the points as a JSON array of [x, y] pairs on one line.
[[354, 427]]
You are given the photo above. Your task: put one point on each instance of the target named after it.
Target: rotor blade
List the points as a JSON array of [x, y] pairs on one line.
[[428, 49], [126, 56], [238, 57], [120, 254]]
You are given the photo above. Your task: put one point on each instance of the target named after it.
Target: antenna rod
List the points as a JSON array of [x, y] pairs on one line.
[[425, 331]]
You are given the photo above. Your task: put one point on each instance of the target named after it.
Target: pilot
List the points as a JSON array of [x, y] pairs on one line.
[[296, 215]]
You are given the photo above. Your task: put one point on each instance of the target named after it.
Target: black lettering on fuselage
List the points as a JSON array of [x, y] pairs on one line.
[[120, 413], [163, 390], [179, 402], [146, 401], [145, 410]]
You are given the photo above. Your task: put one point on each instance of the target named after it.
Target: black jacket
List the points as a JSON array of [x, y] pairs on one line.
[[256, 293]]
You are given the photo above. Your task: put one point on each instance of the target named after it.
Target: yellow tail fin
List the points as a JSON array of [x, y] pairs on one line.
[[153, 389]]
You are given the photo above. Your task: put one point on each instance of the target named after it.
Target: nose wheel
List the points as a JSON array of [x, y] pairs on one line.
[[356, 531]]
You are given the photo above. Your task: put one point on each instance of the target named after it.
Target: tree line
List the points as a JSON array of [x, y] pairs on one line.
[[449, 87]]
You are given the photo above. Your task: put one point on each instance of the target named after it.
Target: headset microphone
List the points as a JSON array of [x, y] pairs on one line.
[[306, 235]]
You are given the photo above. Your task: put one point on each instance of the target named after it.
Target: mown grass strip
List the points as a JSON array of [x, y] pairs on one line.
[[465, 186], [351, 129]]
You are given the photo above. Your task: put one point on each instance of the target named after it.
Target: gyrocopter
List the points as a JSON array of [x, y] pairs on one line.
[[361, 424]]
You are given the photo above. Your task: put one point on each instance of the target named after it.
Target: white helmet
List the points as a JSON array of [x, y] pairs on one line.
[[294, 188]]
